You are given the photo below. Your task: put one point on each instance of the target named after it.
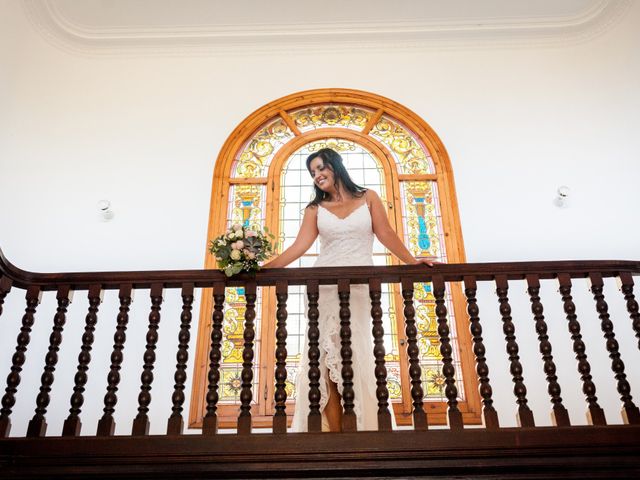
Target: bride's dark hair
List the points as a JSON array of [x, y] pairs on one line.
[[333, 160]]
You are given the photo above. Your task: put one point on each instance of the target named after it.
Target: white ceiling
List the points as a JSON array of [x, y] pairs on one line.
[[115, 26]]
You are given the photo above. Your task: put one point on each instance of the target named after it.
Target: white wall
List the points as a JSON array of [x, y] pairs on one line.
[[144, 132]]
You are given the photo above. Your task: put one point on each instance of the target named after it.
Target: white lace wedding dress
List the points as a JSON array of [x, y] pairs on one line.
[[343, 242]]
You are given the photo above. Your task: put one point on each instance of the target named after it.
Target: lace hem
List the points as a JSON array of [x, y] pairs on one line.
[[331, 344]]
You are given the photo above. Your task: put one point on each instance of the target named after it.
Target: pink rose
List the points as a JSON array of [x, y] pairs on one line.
[[250, 255], [239, 245]]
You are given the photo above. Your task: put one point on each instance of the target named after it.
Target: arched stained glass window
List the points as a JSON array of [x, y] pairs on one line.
[[263, 181]]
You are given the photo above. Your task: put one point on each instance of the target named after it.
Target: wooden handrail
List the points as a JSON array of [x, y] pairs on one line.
[[325, 275], [490, 443]]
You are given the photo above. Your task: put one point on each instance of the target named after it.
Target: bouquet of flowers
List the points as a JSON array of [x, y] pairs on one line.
[[240, 249]]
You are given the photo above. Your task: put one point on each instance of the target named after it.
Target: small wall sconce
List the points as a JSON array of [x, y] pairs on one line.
[[104, 208], [561, 199]]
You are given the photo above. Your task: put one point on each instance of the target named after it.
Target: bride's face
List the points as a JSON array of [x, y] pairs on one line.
[[322, 174]]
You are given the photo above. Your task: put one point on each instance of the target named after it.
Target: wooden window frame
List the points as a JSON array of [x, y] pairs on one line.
[[262, 411]]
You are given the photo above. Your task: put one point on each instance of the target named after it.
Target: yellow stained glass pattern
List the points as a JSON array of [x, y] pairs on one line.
[[410, 156], [254, 159], [331, 115], [422, 219], [233, 344], [247, 205], [426, 322]]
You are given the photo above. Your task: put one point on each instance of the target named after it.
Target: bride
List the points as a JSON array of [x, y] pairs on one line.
[[346, 217]]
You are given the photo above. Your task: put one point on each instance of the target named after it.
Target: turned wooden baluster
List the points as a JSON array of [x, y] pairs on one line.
[[244, 419], [377, 330], [33, 298], [524, 415], [280, 396], [314, 421], [107, 424], [73, 424], [38, 425], [630, 412], [349, 420], [454, 416], [626, 286], [413, 351], [5, 288], [141, 422], [559, 414], [595, 414], [210, 420], [175, 424], [482, 369]]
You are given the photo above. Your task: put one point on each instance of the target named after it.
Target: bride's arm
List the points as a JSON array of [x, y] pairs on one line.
[[387, 235], [306, 236]]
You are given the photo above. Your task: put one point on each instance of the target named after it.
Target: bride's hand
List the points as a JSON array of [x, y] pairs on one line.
[[429, 261]]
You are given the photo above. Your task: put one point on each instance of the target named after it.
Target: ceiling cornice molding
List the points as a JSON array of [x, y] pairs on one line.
[[549, 31]]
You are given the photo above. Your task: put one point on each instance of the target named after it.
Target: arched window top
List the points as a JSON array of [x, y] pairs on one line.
[[327, 115], [382, 123], [411, 156]]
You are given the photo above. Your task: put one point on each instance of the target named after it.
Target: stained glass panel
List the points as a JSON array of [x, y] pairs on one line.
[[422, 219], [256, 156], [331, 115], [246, 206], [410, 156], [424, 235], [233, 344]]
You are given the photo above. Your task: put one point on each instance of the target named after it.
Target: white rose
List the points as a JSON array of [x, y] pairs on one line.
[[235, 254], [221, 242], [239, 234]]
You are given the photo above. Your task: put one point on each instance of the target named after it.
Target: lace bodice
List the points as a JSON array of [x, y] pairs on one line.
[[345, 241]]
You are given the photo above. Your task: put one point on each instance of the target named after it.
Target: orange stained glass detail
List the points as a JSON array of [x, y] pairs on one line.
[[422, 219], [331, 115], [254, 159], [410, 155]]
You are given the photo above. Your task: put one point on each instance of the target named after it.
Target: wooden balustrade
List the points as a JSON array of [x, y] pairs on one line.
[[13, 279]]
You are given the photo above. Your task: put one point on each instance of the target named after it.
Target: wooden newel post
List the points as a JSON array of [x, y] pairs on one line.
[[377, 330], [559, 414], [175, 424], [33, 297], [314, 421], [280, 396], [244, 419], [72, 424], [210, 420], [595, 414], [349, 420], [107, 424], [524, 415], [413, 351], [454, 416], [489, 413], [38, 424], [630, 412], [141, 422]]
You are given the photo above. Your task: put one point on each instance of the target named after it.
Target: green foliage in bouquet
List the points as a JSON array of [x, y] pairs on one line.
[[241, 249]]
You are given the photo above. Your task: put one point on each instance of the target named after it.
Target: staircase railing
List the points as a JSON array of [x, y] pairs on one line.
[[186, 281]]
